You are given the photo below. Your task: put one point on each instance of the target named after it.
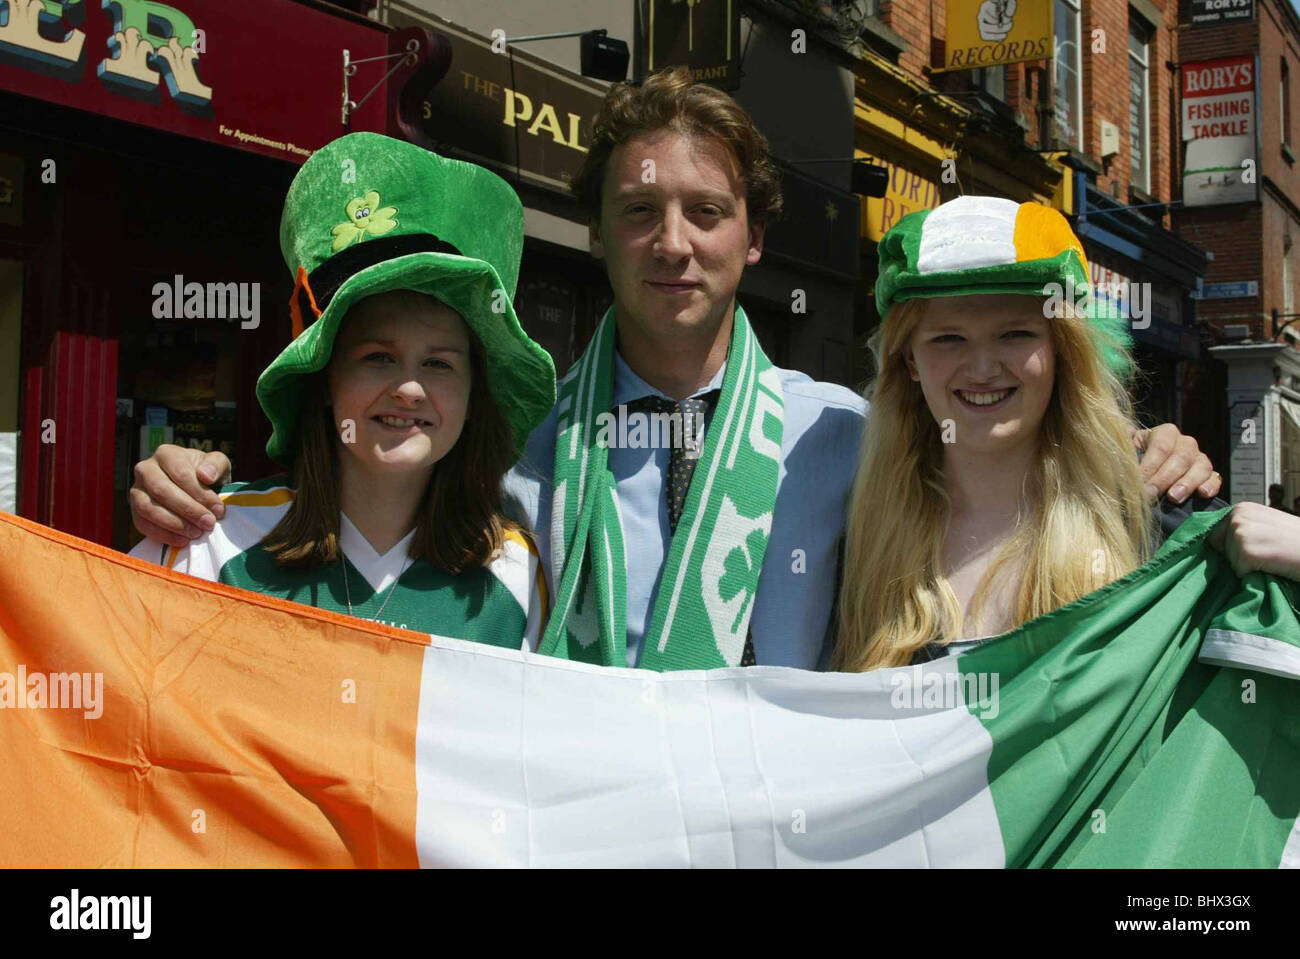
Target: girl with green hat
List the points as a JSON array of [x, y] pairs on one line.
[[404, 397], [1001, 430]]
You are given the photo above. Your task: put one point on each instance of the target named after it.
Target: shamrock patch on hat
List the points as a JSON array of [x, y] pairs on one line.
[[411, 220], [364, 217]]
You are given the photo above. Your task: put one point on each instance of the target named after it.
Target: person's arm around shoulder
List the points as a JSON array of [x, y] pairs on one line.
[[1174, 466], [170, 499]]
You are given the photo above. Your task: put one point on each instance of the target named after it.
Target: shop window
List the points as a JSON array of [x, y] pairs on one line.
[[11, 312], [1290, 443], [1067, 93], [1284, 102], [992, 80], [547, 305], [1139, 104], [177, 383], [1288, 297]]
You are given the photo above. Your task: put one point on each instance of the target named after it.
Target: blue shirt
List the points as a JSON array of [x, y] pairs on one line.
[[796, 587]]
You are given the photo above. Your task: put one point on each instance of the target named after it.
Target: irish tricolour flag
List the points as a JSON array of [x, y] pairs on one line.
[[1153, 723]]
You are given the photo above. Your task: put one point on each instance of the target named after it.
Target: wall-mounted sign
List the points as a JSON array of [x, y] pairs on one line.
[[701, 34], [1206, 12], [984, 33], [1234, 290], [1218, 119], [907, 192], [1110, 287], [265, 77], [507, 110]]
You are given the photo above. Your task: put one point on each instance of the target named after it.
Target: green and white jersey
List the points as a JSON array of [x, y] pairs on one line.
[[502, 604]]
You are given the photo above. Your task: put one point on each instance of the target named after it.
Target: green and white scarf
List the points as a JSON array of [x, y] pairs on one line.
[[706, 594]]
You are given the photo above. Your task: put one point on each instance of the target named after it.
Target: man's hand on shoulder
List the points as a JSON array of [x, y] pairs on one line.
[[170, 501]]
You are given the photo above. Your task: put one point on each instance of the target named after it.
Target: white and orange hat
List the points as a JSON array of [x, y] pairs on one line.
[[987, 244]]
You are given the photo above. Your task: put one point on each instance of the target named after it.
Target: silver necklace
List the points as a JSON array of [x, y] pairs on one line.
[[347, 591]]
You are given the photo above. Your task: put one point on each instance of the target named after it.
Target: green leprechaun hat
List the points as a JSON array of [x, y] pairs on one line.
[[367, 214], [986, 244]]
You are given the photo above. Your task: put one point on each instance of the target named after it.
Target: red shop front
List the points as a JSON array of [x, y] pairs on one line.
[[145, 150]]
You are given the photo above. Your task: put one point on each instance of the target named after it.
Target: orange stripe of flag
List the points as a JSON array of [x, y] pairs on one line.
[[226, 737]]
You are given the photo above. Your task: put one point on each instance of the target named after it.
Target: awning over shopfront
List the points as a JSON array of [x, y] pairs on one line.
[[1124, 249], [1154, 305], [1103, 222], [265, 77]]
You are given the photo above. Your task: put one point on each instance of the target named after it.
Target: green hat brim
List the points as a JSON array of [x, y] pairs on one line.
[[521, 375], [1031, 278]]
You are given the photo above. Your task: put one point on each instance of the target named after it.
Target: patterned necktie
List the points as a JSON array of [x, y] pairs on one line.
[[681, 463]]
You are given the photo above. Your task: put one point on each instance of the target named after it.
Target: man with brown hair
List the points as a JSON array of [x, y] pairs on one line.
[[735, 546], [721, 547]]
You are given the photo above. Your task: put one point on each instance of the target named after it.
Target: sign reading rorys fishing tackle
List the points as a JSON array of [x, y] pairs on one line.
[[1220, 130], [264, 77]]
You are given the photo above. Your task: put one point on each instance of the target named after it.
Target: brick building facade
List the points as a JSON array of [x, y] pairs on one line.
[[1249, 241], [1254, 261]]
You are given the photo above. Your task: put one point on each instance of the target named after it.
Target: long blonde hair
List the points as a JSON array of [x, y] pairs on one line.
[[1084, 521]]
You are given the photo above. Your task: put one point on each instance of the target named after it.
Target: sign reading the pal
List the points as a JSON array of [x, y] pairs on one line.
[[151, 44]]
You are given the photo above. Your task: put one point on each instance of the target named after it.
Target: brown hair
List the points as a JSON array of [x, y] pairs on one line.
[[671, 98], [460, 524]]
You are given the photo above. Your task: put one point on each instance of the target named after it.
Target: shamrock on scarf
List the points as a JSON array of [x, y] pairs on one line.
[[739, 570], [364, 216]]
